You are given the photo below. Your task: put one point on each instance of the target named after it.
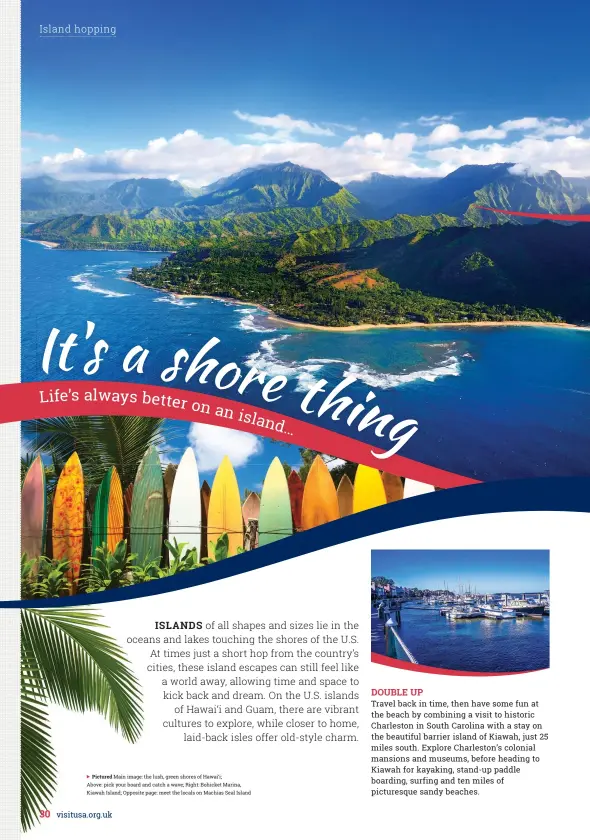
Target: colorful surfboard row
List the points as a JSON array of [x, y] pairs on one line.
[[197, 515]]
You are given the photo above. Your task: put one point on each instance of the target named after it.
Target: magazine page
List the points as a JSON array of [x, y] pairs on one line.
[[294, 419]]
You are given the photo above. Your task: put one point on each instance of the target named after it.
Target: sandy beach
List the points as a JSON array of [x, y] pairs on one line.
[[300, 325], [412, 325], [44, 242]]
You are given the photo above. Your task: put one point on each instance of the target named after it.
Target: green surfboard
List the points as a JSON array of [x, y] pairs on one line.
[[275, 520], [101, 513], [147, 508]]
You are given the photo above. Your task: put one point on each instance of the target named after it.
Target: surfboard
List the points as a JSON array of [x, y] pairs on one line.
[[320, 502], [33, 510], [251, 507], [296, 496], [128, 499], [184, 519], [169, 475], [416, 488], [68, 518], [251, 510], [107, 520], [394, 488], [276, 519], [344, 492], [205, 496], [116, 513], [147, 508], [225, 508], [368, 489]]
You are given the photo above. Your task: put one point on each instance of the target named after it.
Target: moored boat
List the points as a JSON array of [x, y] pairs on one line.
[[523, 607], [458, 613]]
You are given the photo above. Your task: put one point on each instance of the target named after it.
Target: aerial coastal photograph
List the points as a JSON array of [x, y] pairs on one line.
[[481, 611], [425, 244]]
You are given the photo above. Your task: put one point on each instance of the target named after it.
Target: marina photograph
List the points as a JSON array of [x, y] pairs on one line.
[[484, 611]]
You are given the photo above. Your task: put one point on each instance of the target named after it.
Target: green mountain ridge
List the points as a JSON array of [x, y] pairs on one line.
[[260, 190], [162, 234]]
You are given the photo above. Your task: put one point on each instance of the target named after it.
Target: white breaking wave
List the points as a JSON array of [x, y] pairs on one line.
[[248, 324], [267, 359], [175, 301], [449, 367], [84, 283]]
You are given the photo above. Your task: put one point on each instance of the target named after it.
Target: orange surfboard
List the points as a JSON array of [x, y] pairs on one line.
[[115, 514], [296, 487], [394, 487], [320, 502], [345, 491], [128, 499], [68, 518]]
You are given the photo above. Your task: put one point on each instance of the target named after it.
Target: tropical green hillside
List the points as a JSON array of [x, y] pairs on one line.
[[545, 265], [324, 289], [316, 229]]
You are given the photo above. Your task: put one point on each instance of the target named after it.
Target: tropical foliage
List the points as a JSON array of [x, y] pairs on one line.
[[101, 442], [43, 577], [380, 284], [68, 660]]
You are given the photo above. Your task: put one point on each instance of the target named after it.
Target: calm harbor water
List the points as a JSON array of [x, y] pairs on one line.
[[491, 403], [479, 644]]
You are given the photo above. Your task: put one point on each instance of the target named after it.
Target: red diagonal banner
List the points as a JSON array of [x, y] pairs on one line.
[[36, 400], [552, 217]]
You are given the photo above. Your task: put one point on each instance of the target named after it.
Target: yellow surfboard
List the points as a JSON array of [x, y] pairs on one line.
[[68, 518], [345, 491], [394, 487], [368, 489], [115, 514], [225, 508], [320, 501]]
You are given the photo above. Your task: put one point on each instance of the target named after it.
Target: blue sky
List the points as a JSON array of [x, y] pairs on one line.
[[356, 88], [486, 571]]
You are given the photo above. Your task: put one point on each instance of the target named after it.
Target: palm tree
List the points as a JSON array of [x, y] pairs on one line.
[[65, 659], [101, 442]]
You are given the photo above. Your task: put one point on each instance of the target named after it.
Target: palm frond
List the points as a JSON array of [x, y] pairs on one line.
[[66, 660], [37, 767], [101, 442]]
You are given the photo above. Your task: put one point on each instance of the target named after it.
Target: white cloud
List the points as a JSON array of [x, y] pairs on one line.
[[534, 143], [285, 124], [435, 119], [570, 156], [211, 443], [523, 124], [450, 133], [445, 133], [37, 135], [549, 127], [488, 133], [561, 130]]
